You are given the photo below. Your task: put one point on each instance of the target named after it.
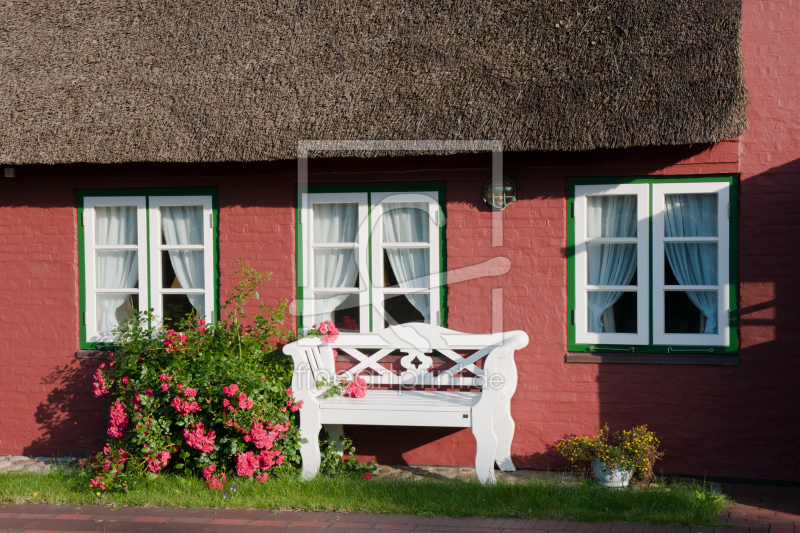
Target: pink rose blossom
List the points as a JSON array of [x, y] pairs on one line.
[[231, 390], [125, 380], [246, 464], [119, 420], [99, 384], [164, 387], [158, 461], [262, 478], [356, 388], [212, 481], [149, 392], [184, 407], [164, 377], [368, 476], [198, 440], [189, 393]]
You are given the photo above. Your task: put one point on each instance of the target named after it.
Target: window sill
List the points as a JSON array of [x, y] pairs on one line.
[[92, 354], [652, 359]]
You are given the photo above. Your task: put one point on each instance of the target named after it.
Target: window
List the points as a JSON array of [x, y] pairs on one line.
[[370, 259], [141, 252], [652, 265]]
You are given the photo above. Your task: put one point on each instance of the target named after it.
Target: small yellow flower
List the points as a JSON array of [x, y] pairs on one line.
[[98, 494], [34, 494]]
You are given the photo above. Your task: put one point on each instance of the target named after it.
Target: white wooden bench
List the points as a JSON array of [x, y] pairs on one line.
[[488, 412]]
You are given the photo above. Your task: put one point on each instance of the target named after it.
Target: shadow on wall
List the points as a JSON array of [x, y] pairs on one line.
[[71, 421], [740, 421]]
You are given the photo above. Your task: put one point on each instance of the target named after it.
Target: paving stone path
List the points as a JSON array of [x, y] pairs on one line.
[[11, 463], [94, 518]]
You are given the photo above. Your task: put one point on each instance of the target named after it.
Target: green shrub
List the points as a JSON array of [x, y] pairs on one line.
[[210, 400]]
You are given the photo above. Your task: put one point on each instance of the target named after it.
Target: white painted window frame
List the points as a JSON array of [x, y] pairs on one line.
[[722, 337], [378, 246], [156, 291], [642, 193], [362, 244], [91, 247]]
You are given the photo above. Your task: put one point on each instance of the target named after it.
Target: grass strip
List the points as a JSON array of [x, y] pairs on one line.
[[673, 504]]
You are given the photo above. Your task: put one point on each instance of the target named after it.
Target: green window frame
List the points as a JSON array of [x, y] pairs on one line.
[[372, 193], [143, 198], [575, 265]]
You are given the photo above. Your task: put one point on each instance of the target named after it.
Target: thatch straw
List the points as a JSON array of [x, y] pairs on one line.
[[222, 80]]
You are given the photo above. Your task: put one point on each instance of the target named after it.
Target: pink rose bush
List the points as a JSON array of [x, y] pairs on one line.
[[206, 399]]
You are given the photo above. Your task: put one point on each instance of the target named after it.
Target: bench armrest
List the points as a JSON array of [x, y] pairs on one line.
[[313, 361]]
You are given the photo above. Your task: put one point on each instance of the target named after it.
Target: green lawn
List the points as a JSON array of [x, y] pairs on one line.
[[678, 504]]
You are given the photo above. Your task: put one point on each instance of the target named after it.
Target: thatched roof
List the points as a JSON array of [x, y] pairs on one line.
[[223, 80]]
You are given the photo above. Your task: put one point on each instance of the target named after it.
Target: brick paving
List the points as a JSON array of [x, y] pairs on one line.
[[758, 509], [776, 508]]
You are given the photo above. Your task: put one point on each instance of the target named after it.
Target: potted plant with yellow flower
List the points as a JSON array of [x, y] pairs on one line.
[[614, 459]]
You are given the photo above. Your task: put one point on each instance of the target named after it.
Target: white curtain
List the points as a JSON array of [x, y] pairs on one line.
[[408, 222], [183, 225], [609, 263], [694, 215], [117, 269], [334, 267]]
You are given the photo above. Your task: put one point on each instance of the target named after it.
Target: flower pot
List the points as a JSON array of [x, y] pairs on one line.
[[610, 476]]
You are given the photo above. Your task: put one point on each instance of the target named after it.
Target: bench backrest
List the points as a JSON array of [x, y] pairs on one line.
[[418, 342]]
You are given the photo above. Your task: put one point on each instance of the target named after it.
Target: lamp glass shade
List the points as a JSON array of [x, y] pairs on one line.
[[502, 196]]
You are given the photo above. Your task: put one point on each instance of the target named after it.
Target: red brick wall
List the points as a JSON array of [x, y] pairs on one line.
[[720, 421]]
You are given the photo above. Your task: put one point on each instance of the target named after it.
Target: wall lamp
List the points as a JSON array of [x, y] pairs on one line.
[[501, 196]]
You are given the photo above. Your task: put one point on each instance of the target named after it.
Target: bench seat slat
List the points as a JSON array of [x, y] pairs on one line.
[[387, 400]]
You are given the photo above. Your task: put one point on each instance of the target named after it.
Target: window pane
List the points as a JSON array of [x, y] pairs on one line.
[[407, 267], [112, 309], [341, 309], [611, 216], [405, 308], [690, 312], [182, 224], [335, 268], [335, 223], [612, 312], [690, 263], [177, 306], [611, 263], [115, 225], [182, 269], [690, 215], [117, 269], [406, 222]]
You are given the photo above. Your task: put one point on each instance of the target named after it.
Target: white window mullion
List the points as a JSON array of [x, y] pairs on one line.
[[721, 240], [583, 239]]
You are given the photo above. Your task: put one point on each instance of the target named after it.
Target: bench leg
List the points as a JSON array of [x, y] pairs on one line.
[[335, 431], [486, 440], [504, 429], [309, 450]]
